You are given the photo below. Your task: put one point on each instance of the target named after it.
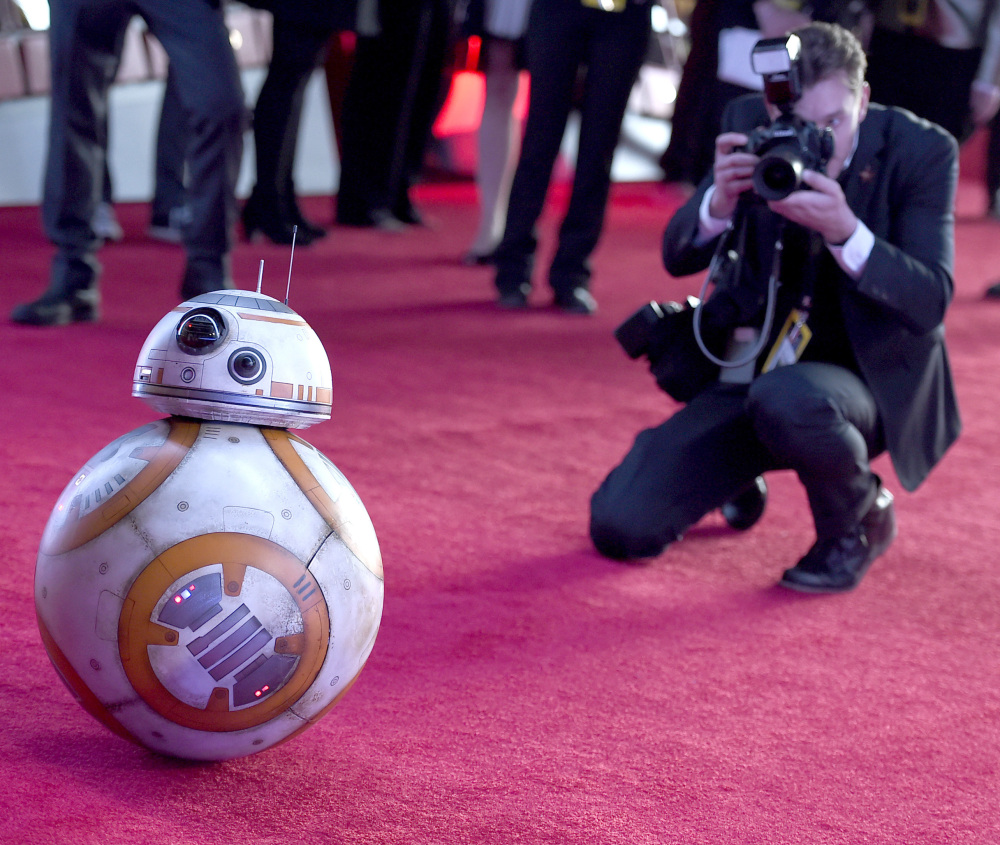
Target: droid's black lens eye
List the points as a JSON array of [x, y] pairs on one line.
[[201, 331], [246, 366]]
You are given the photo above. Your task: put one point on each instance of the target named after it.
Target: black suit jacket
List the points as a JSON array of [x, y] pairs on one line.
[[901, 184]]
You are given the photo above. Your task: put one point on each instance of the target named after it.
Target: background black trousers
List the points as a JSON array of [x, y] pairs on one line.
[[85, 44], [817, 419], [278, 112], [392, 98], [564, 37], [170, 189]]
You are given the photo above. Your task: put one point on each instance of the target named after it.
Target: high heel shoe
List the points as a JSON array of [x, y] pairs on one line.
[[271, 226], [306, 227]]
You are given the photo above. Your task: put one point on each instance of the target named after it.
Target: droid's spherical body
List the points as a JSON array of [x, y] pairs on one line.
[[208, 589], [210, 584]]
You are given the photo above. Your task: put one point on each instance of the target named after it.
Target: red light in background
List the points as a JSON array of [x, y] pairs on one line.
[[463, 108]]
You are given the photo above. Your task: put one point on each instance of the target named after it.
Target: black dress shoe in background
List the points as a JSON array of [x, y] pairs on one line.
[[309, 230], [257, 218], [407, 213], [478, 259], [295, 217], [514, 299], [747, 507], [384, 220], [52, 309], [837, 564], [376, 218], [576, 301], [993, 291]]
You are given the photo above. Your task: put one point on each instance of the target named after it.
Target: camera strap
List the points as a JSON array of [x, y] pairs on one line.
[[726, 259]]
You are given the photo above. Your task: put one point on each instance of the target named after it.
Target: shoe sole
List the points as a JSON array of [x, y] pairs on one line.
[[512, 305], [89, 314]]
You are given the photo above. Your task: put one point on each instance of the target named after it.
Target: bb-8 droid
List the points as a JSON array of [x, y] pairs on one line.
[[210, 584]]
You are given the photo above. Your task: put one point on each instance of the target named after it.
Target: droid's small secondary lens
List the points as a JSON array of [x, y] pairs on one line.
[[246, 366]]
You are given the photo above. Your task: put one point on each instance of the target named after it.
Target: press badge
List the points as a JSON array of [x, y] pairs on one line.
[[792, 341], [605, 5]]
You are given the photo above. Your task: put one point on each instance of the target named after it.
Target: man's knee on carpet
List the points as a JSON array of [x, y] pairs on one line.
[[621, 531]]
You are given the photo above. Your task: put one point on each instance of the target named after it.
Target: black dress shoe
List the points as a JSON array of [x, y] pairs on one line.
[[376, 218], [52, 309], [576, 301], [993, 291], [257, 219], [406, 212], [514, 299], [837, 564], [747, 506], [478, 259], [309, 230]]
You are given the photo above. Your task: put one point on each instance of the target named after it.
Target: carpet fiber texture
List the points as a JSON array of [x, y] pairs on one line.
[[522, 688]]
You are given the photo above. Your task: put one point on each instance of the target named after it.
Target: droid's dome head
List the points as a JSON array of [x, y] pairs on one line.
[[236, 356]]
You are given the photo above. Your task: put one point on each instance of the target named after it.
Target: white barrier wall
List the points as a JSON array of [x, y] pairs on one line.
[[135, 109]]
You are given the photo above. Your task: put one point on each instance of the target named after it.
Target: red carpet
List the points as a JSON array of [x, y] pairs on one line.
[[523, 689]]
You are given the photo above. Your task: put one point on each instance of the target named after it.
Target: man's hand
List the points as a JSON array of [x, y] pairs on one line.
[[823, 209], [733, 173]]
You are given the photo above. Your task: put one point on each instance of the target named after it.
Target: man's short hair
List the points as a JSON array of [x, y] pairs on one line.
[[828, 49]]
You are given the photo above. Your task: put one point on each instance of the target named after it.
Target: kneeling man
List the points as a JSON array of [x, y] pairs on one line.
[[857, 264]]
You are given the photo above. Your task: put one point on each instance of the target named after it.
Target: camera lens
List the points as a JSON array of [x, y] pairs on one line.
[[778, 174]]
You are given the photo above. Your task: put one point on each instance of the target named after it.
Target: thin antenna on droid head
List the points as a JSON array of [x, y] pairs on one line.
[[291, 258], [260, 275]]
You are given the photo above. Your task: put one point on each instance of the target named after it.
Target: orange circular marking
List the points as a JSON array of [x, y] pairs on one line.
[[332, 512], [78, 687], [235, 552], [75, 529]]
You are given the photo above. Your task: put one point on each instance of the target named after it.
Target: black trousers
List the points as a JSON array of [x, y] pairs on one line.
[[817, 419], [170, 189], [85, 44], [392, 98], [278, 113], [564, 36]]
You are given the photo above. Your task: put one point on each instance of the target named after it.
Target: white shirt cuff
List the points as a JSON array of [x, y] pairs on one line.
[[709, 227], [852, 255]]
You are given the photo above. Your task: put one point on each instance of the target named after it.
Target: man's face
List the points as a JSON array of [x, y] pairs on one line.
[[831, 103]]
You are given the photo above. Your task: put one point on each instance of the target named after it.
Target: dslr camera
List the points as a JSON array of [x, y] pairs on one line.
[[662, 332], [790, 144]]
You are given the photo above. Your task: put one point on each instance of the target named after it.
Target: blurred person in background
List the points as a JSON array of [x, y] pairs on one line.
[[500, 24], [392, 98], [86, 38], [301, 31], [606, 42]]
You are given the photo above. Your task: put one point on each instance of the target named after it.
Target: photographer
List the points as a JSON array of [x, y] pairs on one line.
[[854, 269]]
